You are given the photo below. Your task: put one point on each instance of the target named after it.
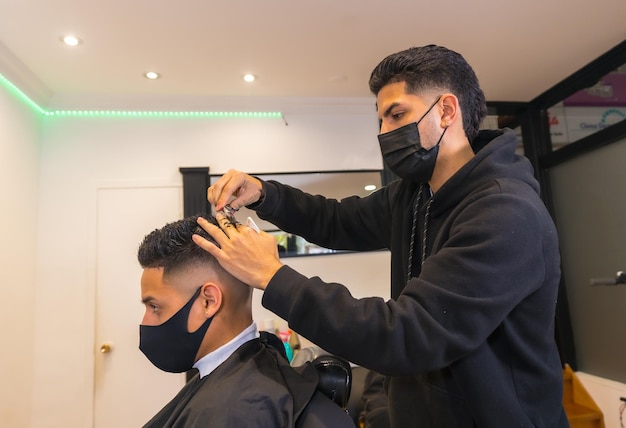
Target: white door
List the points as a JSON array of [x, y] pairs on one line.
[[128, 389]]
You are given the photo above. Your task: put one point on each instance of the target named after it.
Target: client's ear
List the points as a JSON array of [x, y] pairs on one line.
[[211, 297]]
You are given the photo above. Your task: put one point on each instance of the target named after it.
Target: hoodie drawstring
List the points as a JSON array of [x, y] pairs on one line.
[[414, 231]]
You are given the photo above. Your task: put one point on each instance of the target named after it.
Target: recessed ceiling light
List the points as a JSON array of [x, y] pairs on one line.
[[152, 75], [71, 40], [370, 187], [249, 77]]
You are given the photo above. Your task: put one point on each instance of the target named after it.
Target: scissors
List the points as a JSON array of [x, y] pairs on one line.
[[229, 213]]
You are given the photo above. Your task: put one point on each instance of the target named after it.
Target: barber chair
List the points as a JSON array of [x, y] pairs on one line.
[[355, 389], [335, 374]]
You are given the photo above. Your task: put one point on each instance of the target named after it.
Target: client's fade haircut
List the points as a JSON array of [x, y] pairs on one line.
[[172, 248]]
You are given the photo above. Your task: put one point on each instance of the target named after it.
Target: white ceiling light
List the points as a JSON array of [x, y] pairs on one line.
[[370, 187], [152, 75], [70, 40], [249, 77]]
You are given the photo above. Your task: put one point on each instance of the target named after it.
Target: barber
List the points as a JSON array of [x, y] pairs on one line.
[[467, 339]]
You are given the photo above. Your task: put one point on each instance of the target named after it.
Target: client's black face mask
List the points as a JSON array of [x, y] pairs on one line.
[[403, 152], [169, 346]]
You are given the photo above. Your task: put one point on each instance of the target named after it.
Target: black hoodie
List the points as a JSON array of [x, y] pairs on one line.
[[468, 340]]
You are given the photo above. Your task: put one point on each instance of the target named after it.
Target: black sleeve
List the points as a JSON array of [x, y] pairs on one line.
[[493, 259], [354, 223]]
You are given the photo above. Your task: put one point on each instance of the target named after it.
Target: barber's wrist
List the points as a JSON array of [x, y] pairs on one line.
[[269, 275], [261, 198]]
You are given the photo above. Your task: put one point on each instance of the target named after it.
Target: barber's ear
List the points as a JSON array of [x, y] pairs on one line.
[[451, 109], [211, 297]]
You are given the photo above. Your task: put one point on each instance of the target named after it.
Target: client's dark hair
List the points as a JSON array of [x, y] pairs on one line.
[[172, 248]]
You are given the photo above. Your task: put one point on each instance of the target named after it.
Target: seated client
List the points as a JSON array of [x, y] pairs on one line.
[[199, 316]]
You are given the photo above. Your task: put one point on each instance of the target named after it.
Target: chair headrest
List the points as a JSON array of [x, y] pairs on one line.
[[335, 374], [335, 378]]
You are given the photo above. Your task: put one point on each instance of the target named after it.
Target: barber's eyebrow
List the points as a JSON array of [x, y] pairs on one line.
[[147, 299], [387, 111]]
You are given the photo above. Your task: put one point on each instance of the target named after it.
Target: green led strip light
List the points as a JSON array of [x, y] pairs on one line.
[[21, 95], [115, 113], [163, 114]]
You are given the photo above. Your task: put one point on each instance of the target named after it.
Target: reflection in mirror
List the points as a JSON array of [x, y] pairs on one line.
[[331, 184], [589, 110]]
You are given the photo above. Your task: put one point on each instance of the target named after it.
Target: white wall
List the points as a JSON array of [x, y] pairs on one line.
[[607, 395], [19, 164], [80, 155]]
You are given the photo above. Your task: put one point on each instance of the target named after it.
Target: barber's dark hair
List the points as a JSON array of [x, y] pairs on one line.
[[435, 68], [172, 248]]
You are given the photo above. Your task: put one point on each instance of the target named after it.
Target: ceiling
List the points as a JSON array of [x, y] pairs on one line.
[[321, 49]]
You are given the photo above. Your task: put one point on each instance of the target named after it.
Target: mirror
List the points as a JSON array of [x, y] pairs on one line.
[[332, 184]]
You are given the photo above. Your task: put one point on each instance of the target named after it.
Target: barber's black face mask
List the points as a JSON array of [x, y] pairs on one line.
[[169, 346], [403, 152]]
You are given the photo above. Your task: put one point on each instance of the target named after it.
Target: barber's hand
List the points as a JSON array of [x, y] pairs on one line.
[[236, 189], [250, 256]]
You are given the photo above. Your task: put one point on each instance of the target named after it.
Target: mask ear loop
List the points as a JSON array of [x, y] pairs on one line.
[[441, 137]]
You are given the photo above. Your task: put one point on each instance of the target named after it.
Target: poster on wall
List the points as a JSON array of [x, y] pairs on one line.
[[589, 110]]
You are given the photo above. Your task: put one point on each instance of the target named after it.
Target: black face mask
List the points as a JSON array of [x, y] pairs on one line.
[[403, 152], [169, 346]]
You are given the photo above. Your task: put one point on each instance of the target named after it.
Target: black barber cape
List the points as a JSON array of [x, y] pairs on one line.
[[254, 387]]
